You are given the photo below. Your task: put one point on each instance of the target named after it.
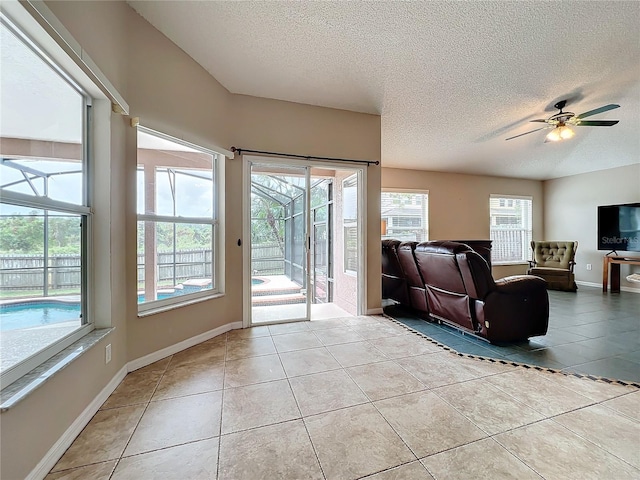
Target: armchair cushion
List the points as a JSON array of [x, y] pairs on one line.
[[547, 272]]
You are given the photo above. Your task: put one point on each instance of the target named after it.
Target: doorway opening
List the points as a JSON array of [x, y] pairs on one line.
[[304, 244]]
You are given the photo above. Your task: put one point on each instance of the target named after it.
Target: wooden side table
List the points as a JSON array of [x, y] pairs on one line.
[[611, 263]]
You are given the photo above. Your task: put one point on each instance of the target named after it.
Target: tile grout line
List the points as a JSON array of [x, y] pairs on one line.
[[600, 447], [224, 377], [304, 424], [121, 456]]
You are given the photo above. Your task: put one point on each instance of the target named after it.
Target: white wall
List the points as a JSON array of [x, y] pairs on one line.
[[571, 213]]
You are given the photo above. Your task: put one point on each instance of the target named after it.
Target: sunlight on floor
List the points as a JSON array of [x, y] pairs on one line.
[[274, 313]]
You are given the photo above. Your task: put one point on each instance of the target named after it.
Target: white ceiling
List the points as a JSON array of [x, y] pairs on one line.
[[451, 80]]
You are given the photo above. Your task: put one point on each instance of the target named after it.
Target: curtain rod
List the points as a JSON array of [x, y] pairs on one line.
[[304, 157]]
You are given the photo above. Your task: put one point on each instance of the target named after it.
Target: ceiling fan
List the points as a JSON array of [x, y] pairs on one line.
[[561, 121]]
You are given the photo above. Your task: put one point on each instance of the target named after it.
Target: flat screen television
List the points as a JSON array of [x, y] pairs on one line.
[[619, 227]]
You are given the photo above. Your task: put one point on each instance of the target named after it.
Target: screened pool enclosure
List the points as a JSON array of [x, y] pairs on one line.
[[296, 248]]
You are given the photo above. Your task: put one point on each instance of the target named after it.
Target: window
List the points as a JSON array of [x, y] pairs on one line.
[[44, 207], [511, 228], [350, 223], [177, 221], [405, 215]]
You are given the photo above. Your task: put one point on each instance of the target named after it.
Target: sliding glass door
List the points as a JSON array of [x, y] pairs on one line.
[[280, 244], [305, 241]]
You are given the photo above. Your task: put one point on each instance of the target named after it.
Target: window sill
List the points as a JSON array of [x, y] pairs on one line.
[[173, 306], [11, 395], [516, 262]]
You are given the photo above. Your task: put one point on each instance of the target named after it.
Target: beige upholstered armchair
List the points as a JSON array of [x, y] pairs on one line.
[[554, 262]]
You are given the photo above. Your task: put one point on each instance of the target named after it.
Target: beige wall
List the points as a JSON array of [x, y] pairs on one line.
[[459, 204], [171, 93], [571, 213], [272, 125]]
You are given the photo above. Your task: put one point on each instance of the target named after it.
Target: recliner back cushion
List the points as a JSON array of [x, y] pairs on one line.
[[446, 294], [553, 254], [438, 265], [417, 292], [408, 263], [476, 275], [390, 263]]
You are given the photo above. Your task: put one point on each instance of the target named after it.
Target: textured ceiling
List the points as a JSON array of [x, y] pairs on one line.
[[451, 80]]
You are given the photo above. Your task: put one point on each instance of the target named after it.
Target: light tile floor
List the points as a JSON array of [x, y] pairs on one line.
[[295, 402]]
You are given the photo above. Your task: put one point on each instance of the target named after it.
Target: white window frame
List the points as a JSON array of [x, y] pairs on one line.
[[425, 227], [39, 44], [509, 203], [217, 290]]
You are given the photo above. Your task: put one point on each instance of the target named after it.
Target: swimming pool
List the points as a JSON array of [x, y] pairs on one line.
[[37, 314], [29, 314]]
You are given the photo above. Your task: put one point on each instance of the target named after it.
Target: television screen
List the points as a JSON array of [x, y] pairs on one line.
[[619, 227]]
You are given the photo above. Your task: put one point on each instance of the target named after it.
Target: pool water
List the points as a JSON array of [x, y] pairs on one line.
[[14, 317], [36, 314], [160, 296], [257, 281]]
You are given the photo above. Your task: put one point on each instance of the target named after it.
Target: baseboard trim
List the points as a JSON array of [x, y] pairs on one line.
[[599, 285], [178, 347], [55, 453], [588, 284], [64, 442], [375, 311]]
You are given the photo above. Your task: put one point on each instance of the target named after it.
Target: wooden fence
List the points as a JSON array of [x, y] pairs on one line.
[[26, 272], [267, 259], [186, 264]]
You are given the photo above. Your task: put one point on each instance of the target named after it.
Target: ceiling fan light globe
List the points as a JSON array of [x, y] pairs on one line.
[[566, 133], [554, 135]]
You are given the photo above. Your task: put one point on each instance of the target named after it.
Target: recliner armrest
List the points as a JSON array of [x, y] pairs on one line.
[[519, 283]]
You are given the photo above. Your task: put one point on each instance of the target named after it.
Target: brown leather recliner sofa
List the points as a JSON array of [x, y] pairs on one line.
[[415, 283], [401, 280], [394, 282], [461, 291]]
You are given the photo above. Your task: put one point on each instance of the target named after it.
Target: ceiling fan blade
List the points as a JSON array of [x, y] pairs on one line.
[[526, 133], [596, 123], [539, 120], [606, 108]]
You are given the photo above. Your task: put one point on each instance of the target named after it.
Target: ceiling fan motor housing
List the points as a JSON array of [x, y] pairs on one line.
[[561, 118]]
